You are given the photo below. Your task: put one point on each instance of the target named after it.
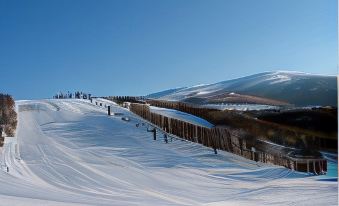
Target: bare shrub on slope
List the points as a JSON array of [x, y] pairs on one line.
[[8, 116]]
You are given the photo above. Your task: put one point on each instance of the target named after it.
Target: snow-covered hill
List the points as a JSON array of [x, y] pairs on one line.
[[296, 88], [165, 93], [69, 152]]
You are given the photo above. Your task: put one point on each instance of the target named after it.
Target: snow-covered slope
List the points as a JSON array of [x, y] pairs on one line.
[[71, 153], [297, 88], [164, 93], [181, 116]]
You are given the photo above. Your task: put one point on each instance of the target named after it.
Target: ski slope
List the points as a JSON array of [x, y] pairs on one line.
[[69, 152]]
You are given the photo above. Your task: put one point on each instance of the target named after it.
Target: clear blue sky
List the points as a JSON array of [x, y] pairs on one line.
[[136, 47]]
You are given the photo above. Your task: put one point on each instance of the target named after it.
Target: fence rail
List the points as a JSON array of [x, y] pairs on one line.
[[225, 139]]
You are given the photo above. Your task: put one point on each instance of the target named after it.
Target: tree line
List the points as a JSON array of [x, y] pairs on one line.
[[122, 99], [276, 132]]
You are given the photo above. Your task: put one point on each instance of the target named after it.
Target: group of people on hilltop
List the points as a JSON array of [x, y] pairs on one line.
[[70, 95]]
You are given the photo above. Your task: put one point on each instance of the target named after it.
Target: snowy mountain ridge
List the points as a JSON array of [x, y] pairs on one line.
[[297, 88]]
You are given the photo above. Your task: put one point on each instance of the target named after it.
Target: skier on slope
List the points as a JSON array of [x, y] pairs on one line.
[[165, 136]]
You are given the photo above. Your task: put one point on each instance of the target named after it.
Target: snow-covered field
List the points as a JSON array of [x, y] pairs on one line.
[[71, 153], [181, 115], [240, 107]]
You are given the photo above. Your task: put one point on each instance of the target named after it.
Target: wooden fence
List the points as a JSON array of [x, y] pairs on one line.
[[225, 139]]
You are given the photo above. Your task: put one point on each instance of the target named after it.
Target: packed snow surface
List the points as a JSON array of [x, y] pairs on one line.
[[69, 152]]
